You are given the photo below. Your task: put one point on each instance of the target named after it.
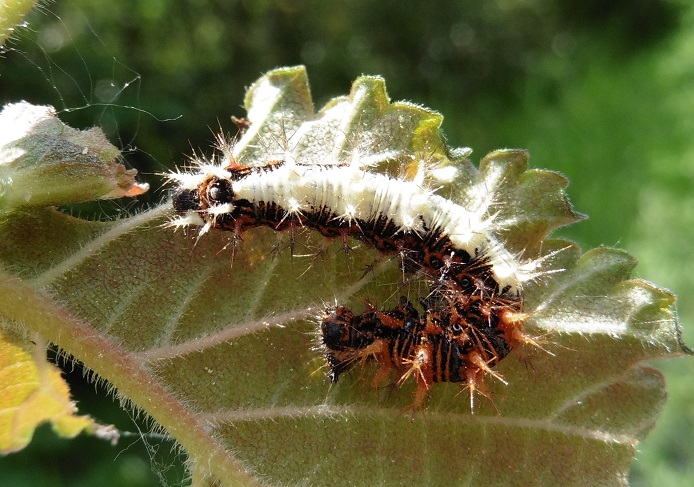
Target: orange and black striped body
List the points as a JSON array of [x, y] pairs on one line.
[[446, 343]]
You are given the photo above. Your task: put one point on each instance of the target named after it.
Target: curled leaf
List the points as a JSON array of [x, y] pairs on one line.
[[44, 162], [32, 391]]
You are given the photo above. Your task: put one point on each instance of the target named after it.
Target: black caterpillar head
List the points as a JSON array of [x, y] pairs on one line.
[[185, 200]]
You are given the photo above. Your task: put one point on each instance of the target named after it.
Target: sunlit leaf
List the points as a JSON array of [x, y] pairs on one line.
[[32, 392], [44, 162], [221, 352]]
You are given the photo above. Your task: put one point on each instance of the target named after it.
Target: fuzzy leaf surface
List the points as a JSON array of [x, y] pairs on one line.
[[222, 354]]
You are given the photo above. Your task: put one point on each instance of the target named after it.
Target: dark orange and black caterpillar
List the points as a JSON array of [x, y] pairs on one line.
[[455, 339]]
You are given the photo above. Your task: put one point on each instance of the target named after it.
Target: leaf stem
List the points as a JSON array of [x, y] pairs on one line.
[[110, 361]]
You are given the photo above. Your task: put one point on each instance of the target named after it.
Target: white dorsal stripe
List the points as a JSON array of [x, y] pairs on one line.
[[352, 193]]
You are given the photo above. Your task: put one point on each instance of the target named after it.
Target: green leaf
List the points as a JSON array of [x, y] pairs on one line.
[[221, 353], [11, 14], [44, 162]]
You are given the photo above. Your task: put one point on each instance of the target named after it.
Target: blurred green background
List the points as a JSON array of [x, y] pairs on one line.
[[600, 91]]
